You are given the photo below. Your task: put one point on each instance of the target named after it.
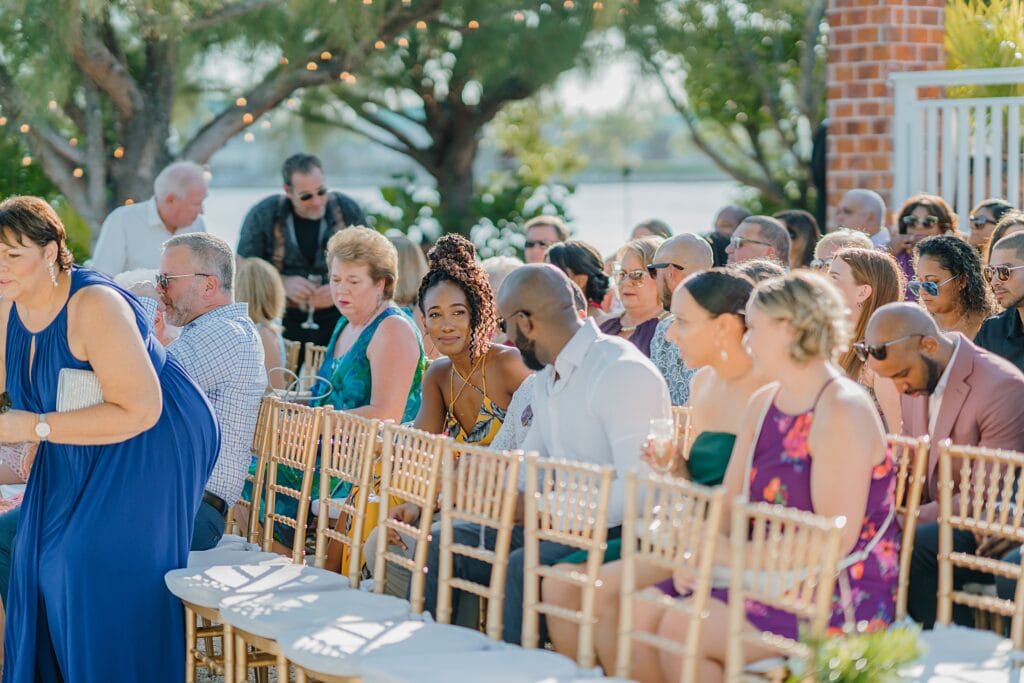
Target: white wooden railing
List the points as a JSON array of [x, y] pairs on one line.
[[965, 150]]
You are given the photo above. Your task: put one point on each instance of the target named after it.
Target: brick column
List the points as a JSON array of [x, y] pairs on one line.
[[868, 40]]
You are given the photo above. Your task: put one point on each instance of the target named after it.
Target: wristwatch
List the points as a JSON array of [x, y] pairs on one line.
[[42, 428]]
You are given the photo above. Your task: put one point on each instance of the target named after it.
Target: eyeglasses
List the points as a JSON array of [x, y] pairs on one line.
[[536, 244], [653, 269], [503, 324], [306, 196], [821, 263], [634, 276], [162, 281], [980, 221], [929, 288], [1003, 272], [927, 221], [737, 242], [878, 351]]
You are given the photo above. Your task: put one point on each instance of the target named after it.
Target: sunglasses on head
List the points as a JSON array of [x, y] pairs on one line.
[[503, 324], [927, 221], [538, 244], [980, 221], [634, 276], [306, 196], [163, 281], [1002, 272], [929, 288], [653, 269], [878, 351], [737, 242]]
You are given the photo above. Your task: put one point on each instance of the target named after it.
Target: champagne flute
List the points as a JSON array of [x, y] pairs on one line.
[[662, 438], [309, 323]]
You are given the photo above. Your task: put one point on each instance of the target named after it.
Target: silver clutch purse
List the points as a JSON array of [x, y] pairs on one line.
[[77, 389]]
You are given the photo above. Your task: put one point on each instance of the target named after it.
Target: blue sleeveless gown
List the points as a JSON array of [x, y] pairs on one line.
[[101, 525]]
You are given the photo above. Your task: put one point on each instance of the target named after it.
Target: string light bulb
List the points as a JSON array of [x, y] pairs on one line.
[[403, 42], [73, 142], [78, 172], [3, 120], [129, 201], [25, 128], [26, 160], [249, 137], [119, 152], [52, 104], [519, 16], [473, 25], [283, 61], [325, 56], [247, 118], [311, 66], [599, 5], [379, 45], [241, 102], [421, 25], [568, 4]]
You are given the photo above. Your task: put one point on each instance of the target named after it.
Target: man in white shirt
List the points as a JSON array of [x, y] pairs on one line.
[[864, 211], [593, 399], [133, 236]]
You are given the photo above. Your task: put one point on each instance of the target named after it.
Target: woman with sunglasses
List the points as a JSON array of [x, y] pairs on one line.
[[867, 279], [983, 219], [583, 265], [803, 235], [921, 216], [950, 284], [642, 309]]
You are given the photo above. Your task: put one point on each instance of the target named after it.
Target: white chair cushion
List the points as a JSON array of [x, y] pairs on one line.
[[223, 556], [272, 613], [207, 586], [505, 665], [343, 646], [964, 655]]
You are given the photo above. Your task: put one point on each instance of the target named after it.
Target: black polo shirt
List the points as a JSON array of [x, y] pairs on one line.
[[1003, 335]]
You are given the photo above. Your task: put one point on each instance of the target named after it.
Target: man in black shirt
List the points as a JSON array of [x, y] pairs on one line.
[[291, 232], [1003, 334]]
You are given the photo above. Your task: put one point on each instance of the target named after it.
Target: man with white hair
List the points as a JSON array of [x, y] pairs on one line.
[[864, 211], [132, 236]]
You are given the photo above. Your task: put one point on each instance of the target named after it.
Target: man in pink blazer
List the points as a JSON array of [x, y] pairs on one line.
[[951, 390]]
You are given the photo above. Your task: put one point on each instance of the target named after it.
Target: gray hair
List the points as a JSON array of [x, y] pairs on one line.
[[210, 254], [873, 201], [177, 178], [498, 268], [774, 233]]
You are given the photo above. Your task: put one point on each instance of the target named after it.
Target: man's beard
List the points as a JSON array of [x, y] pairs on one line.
[[528, 350], [934, 374], [665, 293]]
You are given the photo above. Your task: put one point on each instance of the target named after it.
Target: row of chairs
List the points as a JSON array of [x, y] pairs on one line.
[[312, 357]]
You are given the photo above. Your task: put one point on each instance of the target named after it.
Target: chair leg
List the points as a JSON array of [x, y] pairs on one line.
[[227, 646], [190, 642], [282, 668], [241, 663]]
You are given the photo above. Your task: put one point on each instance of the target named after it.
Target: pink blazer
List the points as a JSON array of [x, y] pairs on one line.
[[983, 405]]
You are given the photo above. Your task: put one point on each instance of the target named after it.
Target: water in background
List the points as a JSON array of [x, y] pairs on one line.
[[603, 214]]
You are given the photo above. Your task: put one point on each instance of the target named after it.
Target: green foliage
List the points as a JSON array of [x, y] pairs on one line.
[[536, 135], [872, 657], [984, 34], [748, 78]]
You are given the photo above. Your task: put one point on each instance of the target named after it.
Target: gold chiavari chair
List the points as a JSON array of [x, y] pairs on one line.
[[980, 492], [260, 449], [669, 523], [683, 416], [479, 486], [292, 351], [910, 458], [313, 359], [348, 450], [410, 470], [782, 558], [567, 503]]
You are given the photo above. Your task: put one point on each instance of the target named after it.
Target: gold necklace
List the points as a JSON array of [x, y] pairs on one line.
[[630, 330]]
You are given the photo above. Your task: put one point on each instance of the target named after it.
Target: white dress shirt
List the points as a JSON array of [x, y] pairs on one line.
[[881, 238], [595, 404], [935, 398], [133, 237]]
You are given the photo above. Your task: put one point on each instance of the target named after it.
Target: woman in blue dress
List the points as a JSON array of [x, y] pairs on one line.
[[114, 489]]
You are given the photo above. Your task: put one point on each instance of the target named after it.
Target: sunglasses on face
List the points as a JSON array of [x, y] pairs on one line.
[[306, 196], [929, 288], [737, 242], [634, 276], [927, 221], [163, 281], [821, 263], [536, 244], [653, 269], [980, 221], [878, 351], [503, 323], [1002, 272]]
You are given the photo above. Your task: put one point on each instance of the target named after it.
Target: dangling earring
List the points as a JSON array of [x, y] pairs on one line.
[[53, 275], [724, 355]]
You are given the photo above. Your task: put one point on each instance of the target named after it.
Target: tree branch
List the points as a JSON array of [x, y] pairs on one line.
[[235, 11], [10, 98], [808, 94], [104, 69], [414, 153]]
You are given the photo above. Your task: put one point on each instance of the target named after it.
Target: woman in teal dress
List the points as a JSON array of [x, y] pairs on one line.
[[375, 360]]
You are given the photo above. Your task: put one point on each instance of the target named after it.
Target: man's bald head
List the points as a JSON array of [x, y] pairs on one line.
[[677, 258], [536, 303], [896, 320], [903, 343]]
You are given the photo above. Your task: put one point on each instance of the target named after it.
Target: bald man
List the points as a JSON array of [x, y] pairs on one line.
[[593, 399], [676, 259], [954, 390], [864, 211]]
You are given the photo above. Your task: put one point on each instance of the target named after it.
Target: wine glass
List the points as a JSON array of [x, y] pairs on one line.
[[309, 323], [662, 438]]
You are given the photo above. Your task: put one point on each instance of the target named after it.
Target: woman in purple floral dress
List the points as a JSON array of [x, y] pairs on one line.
[[813, 441]]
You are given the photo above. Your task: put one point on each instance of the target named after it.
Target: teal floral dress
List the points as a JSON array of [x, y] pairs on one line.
[[351, 385]]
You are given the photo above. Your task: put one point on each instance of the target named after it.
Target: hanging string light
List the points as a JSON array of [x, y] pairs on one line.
[[473, 25], [249, 137], [26, 160], [119, 152], [25, 128], [3, 120], [379, 45], [421, 25], [326, 56], [403, 42], [73, 142], [78, 172], [129, 201], [311, 66], [241, 102]]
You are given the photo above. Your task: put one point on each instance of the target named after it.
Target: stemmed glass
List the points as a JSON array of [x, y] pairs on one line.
[[309, 323]]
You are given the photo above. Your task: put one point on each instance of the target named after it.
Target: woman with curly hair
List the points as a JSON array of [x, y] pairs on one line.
[[584, 266], [950, 284]]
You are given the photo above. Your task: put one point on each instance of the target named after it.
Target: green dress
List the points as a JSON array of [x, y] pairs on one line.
[[351, 387], [709, 457]]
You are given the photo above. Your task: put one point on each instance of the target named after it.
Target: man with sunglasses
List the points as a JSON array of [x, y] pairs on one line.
[[1003, 334], [676, 259], [951, 390], [291, 232], [759, 237], [541, 233]]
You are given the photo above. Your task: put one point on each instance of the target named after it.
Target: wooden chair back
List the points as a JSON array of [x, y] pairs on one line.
[[910, 459], [260, 450], [313, 358], [410, 471], [782, 558], [566, 503], [479, 486], [683, 416], [294, 437], [669, 523], [348, 449], [980, 492], [292, 353]]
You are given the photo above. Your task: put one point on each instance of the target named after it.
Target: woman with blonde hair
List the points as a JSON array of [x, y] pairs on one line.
[[867, 280], [642, 308], [412, 266], [258, 284]]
